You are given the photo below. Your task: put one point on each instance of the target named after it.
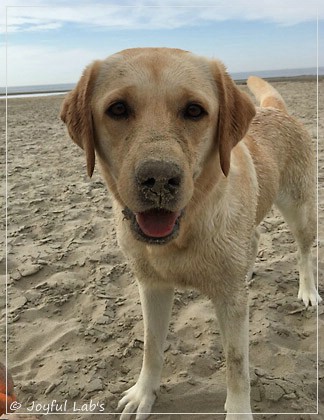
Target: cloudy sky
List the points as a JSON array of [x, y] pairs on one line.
[[52, 41]]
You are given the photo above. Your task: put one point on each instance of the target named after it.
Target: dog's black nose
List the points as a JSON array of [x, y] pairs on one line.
[[159, 181]]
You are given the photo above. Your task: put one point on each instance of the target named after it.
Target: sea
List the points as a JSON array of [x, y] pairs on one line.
[[58, 89]]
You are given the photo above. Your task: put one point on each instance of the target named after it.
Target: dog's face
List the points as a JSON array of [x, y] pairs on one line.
[[156, 118]]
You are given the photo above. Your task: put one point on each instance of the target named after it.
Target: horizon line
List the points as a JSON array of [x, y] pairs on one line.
[[237, 74]]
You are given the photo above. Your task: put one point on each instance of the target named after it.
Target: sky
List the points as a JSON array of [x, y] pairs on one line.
[[49, 42]]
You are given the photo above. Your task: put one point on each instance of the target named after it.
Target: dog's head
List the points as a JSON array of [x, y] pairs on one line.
[[157, 119]]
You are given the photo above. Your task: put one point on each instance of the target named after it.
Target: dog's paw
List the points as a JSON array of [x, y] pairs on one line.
[[136, 400], [309, 296]]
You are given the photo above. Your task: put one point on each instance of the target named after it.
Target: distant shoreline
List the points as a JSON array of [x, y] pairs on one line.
[[305, 78], [52, 92], [33, 94]]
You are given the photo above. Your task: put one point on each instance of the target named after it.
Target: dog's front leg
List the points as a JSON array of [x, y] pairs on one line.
[[233, 317], [156, 306]]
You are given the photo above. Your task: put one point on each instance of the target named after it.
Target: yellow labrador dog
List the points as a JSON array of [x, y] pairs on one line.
[[193, 168]]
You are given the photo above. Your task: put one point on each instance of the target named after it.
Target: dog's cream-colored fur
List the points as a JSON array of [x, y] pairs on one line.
[[237, 162]]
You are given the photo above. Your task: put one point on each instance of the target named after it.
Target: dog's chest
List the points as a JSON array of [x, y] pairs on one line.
[[204, 266]]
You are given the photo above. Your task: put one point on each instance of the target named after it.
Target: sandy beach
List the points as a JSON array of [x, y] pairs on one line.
[[74, 317]]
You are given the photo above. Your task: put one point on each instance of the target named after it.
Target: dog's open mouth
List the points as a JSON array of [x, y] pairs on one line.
[[155, 226]]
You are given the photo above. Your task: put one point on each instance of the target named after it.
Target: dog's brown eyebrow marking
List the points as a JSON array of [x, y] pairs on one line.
[[118, 94]]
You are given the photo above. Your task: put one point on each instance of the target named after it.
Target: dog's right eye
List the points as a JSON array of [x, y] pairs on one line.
[[118, 110]]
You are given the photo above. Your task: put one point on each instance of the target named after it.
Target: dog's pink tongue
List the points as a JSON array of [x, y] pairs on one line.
[[157, 223]]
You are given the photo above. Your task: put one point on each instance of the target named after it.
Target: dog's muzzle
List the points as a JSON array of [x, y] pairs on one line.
[[158, 184]]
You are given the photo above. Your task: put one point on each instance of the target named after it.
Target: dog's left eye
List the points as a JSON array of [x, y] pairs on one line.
[[194, 112]]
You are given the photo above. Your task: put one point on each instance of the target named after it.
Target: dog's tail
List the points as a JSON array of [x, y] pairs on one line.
[[267, 95]]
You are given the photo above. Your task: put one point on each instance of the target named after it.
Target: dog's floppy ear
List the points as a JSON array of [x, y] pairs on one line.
[[236, 111], [76, 114]]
